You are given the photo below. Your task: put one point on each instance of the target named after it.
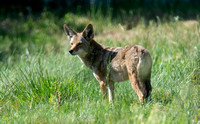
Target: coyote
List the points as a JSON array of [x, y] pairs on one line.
[[112, 64]]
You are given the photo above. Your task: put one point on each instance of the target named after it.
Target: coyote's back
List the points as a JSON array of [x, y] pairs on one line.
[[113, 64]]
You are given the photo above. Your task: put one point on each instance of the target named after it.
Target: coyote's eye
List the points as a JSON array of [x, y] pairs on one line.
[[71, 44]]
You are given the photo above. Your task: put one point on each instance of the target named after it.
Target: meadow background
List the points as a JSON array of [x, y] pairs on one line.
[[40, 82]]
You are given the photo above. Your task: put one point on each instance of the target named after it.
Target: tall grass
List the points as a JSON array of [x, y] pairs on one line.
[[44, 86]]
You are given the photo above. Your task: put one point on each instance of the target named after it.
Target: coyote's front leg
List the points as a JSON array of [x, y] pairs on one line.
[[111, 90], [103, 88]]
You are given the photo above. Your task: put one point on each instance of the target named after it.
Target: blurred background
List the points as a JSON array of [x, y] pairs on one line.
[[148, 8], [27, 24]]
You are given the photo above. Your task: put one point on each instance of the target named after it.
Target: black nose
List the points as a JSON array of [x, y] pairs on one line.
[[71, 51]]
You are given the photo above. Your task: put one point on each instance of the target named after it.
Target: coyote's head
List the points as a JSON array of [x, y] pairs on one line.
[[79, 41]]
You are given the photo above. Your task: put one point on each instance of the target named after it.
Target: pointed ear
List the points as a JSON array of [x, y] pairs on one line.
[[69, 31], [88, 32]]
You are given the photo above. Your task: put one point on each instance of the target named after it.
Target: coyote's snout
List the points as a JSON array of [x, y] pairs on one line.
[[112, 64]]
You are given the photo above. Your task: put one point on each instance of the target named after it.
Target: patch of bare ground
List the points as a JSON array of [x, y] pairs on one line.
[[119, 33], [189, 23]]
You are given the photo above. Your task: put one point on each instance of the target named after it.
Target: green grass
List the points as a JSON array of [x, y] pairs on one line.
[[41, 83]]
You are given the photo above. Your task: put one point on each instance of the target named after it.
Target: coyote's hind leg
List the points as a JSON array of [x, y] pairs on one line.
[[141, 91]]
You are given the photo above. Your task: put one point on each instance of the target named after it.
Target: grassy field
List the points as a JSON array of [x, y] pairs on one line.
[[40, 82]]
